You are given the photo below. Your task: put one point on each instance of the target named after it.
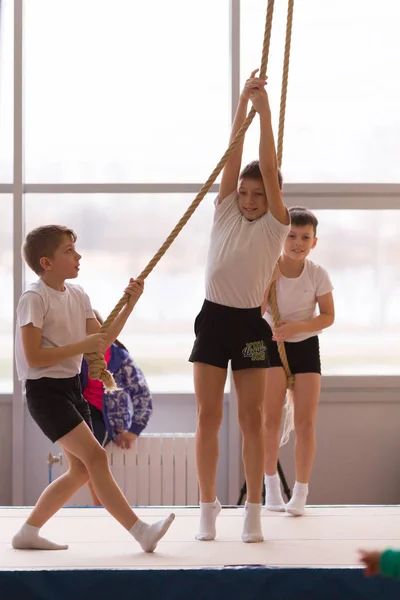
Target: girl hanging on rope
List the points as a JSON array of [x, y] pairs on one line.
[[250, 225], [300, 286]]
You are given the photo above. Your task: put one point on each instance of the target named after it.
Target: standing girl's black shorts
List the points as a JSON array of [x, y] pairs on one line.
[[303, 357], [224, 334], [57, 405]]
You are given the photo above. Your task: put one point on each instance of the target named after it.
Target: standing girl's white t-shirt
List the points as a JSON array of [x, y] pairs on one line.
[[242, 255], [297, 297]]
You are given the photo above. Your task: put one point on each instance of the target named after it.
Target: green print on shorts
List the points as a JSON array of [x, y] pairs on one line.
[[255, 350]]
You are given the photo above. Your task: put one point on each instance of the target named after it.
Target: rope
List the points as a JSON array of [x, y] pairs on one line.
[[289, 416], [281, 129], [281, 346], [285, 81], [96, 363]]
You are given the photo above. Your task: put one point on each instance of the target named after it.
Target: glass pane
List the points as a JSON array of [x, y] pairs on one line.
[[343, 122], [117, 238], [360, 251], [138, 92], [6, 90], [6, 297], [364, 339]]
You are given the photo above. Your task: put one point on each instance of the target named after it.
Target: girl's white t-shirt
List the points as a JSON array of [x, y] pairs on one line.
[[242, 255], [297, 297]]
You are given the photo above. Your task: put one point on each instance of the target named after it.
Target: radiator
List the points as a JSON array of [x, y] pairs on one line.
[[159, 470]]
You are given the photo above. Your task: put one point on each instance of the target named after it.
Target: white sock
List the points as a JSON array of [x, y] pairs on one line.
[[209, 512], [296, 504], [28, 538], [252, 523], [273, 495], [149, 535]]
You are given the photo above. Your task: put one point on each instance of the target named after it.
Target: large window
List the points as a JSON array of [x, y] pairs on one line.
[[6, 299], [343, 120], [125, 91], [117, 236], [6, 90], [358, 248], [140, 93]]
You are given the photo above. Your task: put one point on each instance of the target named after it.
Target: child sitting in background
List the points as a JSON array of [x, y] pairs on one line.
[[119, 416]]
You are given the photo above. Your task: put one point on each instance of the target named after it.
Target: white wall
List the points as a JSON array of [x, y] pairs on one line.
[[358, 438]]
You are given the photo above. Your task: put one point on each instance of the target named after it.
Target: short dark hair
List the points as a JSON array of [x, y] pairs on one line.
[[252, 171], [44, 241], [301, 216]]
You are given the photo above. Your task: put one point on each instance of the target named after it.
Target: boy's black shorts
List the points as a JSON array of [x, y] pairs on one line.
[[303, 357], [224, 334], [57, 405]]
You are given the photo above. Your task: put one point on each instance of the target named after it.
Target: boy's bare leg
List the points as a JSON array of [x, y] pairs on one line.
[[51, 500], [95, 500], [81, 443], [306, 393]]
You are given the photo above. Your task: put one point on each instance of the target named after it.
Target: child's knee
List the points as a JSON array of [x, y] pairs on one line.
[[272, 425], [250, 420], [79, 473], [209, 418], [96, 459], [305, 429]]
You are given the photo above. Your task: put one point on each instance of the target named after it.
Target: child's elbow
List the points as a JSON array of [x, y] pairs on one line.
[[328, 319], [32, 362]]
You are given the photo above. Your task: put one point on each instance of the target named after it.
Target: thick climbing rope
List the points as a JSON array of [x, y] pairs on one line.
[[282, 113], [97, 364], [288, 423]]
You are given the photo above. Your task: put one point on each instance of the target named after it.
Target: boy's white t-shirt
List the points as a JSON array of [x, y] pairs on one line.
[[242, 255], [297, 297], [62, 318]]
